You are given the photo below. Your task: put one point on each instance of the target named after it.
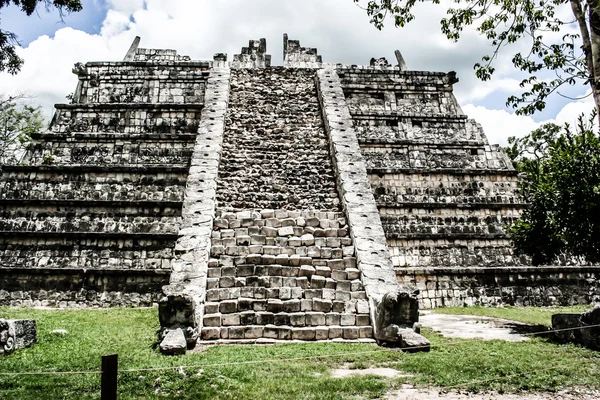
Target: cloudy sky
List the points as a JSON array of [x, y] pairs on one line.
[[339, 29]]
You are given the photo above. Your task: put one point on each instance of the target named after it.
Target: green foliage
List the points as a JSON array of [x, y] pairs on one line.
[[9, 60], [131, 333], [504, 22], [17, 122], [562, 185]]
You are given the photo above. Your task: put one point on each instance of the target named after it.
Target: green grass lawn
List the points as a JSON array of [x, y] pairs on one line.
[[131, 333]]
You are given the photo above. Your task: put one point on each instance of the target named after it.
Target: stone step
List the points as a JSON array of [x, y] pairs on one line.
[[279, 292], [292, 318], [342, 273], [273, 306], [294, 260], [229, 247], [287, 332]]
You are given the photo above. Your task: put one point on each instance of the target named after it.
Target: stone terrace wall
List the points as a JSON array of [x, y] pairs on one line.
[[517, 286], [93, 218], [444, 194]]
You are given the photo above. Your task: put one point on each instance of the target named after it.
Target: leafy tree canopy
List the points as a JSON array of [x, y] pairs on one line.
[[18, 121], [575, 58], [9, 60], [562, 186]]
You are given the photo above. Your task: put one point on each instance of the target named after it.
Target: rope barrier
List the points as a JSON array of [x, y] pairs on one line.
[[284, 359]]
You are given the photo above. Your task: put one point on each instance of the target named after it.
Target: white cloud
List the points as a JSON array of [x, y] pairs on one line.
[[498, 125], [339, 29]]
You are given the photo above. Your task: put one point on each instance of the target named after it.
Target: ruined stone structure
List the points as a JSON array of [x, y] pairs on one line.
[[252, 202]]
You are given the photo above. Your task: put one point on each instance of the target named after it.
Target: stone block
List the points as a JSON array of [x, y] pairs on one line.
[[303, 333], [281, 319], [338, 306], [237, 332], [317, 282], [211, 307], [290, 306], [322, 305], [297, 319], [253, 332], [264, 318], [212, 320], [285, 231], [350, 332], [335, 332], [363, 320], [353, 273], [285, 333], [348, 319], [332, 319], [343, 285], [271, 332], [210, 333], [228, 306], [315, 318], [230, 319], [174, 342], [302, 282], [321, 333], [306, 270]]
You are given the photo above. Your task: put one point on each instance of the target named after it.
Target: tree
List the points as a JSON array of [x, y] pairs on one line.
[[17, 122], [562, 186], [574, 59], [9, 60]]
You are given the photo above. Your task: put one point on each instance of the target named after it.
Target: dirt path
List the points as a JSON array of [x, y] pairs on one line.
[[410, 393]]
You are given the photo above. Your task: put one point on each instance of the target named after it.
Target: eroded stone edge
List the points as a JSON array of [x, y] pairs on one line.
[[373, 258], [183, 303]]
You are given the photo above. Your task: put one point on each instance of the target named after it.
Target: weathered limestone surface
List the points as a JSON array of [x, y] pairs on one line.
[[283, 265], [16, 334], [280, 274], [393, 308], [275, 151], [304, 202], [442, 191], [295, 56], [486, 285], [253, 56], [92, 216], [183, 303]]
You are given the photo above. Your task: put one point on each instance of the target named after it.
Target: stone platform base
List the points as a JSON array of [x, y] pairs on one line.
[[276, 341], [515, 286]]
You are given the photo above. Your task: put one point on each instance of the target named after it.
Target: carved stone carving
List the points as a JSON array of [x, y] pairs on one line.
[[379, 62], [80, 70], [16, 334], [396, 321]]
